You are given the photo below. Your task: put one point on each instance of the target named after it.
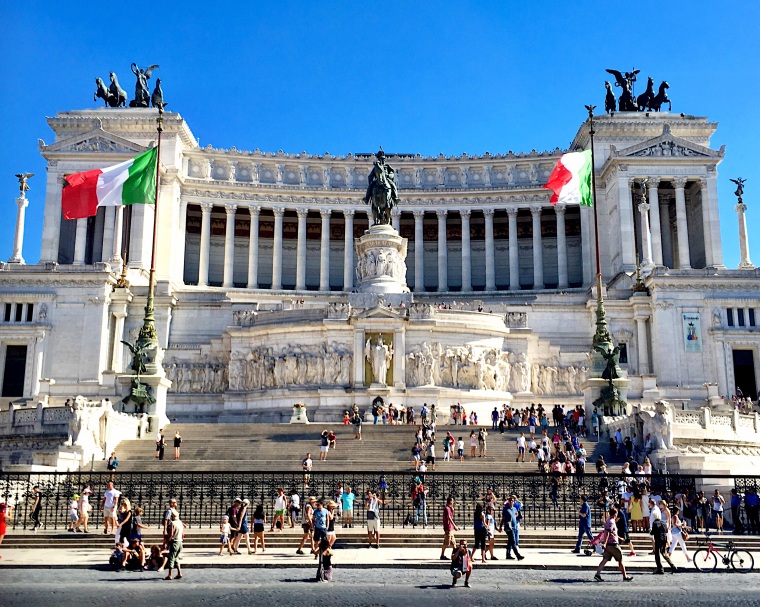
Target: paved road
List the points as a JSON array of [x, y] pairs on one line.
[[375, 588]]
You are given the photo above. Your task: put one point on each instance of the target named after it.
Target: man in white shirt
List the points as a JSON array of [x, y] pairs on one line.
[[108, 505], [520, 447], [654, 507]]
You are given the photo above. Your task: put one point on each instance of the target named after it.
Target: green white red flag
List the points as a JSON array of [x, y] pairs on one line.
[[571, 179]]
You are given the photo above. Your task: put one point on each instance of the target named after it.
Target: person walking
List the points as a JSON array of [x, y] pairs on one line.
[[679, 534], [520, 441], [659, 533], [113, 462], [449, 526], [160, 444], [347, 499], [224, 535], [84, 510], [718, 502], [280, 505], [36, 510], [491, 530], [108, 505], [508, 524], [5, 511], [307, 525], [176, 534], [259, 522], [584, 524], [481, 531], [611, 548], [243, 528], [373, 519], [177, 444]]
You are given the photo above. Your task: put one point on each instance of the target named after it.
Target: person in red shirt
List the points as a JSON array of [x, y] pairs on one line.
[[5, 509], [449, 526]]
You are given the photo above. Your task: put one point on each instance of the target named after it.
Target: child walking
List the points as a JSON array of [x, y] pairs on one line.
[[224, 535]]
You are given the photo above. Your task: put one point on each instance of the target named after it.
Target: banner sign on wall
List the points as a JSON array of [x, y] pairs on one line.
[[692, 332]]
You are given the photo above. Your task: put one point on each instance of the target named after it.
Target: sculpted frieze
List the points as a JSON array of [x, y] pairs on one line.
[[197, 377]]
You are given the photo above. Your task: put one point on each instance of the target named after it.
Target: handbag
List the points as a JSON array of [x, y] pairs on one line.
[[684, 535]]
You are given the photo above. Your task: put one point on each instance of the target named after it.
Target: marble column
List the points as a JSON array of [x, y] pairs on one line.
[[348, 250], [646, 241], [627, 235], [745, 263], [229, 246], [277, 249], [324, 261], [119, 315], [205, 243], [538, 253], [253, 249], [466, 251], [51, 228], [562, 282], [419, 252], [443, 253], [643, 348], [80, 242], [490, 251], [396, 219], [707, 223], [514, 251], [684, 261], [109, 220], [654, 219], [667, 234], [18, 239], [710, 199], [301, 250], [182, 232], [118, 236]]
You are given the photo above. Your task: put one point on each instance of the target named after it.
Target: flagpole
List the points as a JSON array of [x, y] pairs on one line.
[[602, 334], [125, 229], [148, 336]]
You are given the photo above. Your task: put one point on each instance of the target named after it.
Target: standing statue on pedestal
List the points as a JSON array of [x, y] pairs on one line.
[[23, 186], [382, 192], [142, 96], [738, 193], [379, 356]]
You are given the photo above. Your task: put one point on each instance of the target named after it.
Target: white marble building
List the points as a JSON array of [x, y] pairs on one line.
[[256, 265]]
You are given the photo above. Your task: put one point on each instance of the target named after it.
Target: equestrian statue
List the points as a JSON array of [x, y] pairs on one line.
[[382, 192]]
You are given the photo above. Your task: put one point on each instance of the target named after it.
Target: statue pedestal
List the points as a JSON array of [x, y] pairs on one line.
[[593, 390], [381, 261], [159, 386]]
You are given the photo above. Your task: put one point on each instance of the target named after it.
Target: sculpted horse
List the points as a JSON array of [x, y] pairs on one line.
[[119, 94], [609, 99], [102, 92], [382, 199], [643, 100], [660, 98]]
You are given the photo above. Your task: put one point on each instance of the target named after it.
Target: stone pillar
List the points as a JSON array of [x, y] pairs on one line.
[[711, 199], [253, 249], [538, 254], [229, 245], [348, 250], [419, 252], [108, 230], [324, 261], [684, 261], [514, 251], [707, 223], [627, 236], [646, 242], [51, 229], [205, 243], [118, 236], [654, 219], [745, 263], [396, 219], [667, 235], [490, 261], [643, 348], [80, 243], [562, 281], [443, 253], [301, 250], [466, 251], [117, 354], [182, 231], [277, 249], [18, 239]]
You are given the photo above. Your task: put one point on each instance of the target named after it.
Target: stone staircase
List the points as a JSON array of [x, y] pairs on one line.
[[282, 447]]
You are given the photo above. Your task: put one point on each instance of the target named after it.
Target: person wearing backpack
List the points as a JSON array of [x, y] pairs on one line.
[[659, 533]]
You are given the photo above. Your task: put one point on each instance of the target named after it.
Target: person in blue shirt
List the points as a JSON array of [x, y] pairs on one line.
[[494, 418], [518, 507], [508, 524], [320, 523], [736, 502], [752, 504], [347, 503], [584, 524]]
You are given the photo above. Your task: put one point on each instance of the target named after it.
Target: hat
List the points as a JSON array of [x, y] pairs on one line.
[[312, 498], [246, 501], [237, 499], [75, 496], [225, 517], [331, 504]]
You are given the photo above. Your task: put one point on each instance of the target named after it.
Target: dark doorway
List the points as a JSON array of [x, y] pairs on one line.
[[744, 373], [15, 370]]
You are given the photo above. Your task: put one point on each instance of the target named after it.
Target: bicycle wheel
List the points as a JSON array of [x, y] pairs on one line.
[[705, 561], [742, 561]]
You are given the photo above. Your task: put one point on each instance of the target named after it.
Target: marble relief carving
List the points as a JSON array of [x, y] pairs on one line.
[[376, 262], [194, 377]]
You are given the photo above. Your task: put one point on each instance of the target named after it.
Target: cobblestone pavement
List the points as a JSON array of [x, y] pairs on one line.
[[374, 588]]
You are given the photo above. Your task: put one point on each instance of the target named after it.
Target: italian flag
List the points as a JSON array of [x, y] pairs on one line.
[[130, 182], [571, 179]]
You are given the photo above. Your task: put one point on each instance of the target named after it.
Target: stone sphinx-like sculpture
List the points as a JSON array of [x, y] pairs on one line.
[[658, 425]]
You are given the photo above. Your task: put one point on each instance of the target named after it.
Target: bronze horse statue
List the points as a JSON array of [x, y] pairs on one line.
[[660, 98], [609, 99], [382, 192], [119, 93], [643, 100], [110, 99]]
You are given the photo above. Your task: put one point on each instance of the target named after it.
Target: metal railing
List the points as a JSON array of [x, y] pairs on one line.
[[548, 502]]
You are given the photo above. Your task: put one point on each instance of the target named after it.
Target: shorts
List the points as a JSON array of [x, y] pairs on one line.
[[449, 539], [455, 572], [108, 512], [319, 534], [460, 452], [718, 514], [224, 539], [244, 528], [175, 549], [307, 527], [373, 526], [280, 512], [73, 516], [348, 512], [612, 551], [521, 450], [430, 459], [532, 429], [324, 449], [258, 527], [331, 534]]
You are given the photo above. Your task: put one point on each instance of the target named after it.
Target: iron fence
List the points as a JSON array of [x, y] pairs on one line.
[[548, 501]]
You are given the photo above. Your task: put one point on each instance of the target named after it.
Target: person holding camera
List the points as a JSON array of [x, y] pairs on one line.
[[461, 564]]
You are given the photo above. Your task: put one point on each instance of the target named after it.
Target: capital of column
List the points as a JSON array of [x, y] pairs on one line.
[[643, 207], [560, 209], [740, 208], [302, 213], [535, 210], [465, 214], [278, 211], [207, 206], [632, 181], [254, 209], [348, 213], [653, 182], [395, 212], [22, 202], [418, 215], [679, 183], [441, 213], [230, 209], [489, 212], [325, 213], [511, 211]]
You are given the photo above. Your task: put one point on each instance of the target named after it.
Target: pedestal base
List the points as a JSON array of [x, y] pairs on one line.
[[381, 261], [159, 386]]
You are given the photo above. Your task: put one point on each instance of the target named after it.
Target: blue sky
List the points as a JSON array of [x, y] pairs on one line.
[[343, 77]]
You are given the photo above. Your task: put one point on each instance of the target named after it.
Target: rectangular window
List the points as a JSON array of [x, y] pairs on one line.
[[740, 316], [7, 315], [29, 312], [623, 353], [751, 317], [730, 316], [19, 312]]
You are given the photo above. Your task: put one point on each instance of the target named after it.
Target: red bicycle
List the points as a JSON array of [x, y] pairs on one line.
[[706, 558]]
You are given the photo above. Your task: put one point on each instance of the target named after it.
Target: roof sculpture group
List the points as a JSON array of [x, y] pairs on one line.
[[115, 96], [628, 102]]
